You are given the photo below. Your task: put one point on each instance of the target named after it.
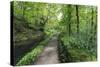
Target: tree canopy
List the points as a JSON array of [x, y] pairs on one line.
[[75, 25]]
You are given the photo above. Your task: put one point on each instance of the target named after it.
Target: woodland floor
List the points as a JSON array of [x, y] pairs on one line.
[[49, 54]]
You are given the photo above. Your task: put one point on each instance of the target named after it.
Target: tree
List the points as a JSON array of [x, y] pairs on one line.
[[69, 19], [77, 15]]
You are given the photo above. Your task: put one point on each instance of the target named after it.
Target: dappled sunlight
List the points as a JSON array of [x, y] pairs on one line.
[[48, 33], [59, 16]]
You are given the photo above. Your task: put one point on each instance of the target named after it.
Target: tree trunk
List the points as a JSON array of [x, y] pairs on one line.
[[69, 19], [77, 15], [92, 25], [92, 19]]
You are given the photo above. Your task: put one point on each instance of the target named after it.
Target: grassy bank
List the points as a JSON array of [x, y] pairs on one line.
[[31, 56]]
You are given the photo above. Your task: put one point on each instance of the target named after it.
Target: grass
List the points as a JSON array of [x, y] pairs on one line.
[[31, 56]]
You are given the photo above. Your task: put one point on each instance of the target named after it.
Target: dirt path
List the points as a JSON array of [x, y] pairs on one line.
[[49, 54]]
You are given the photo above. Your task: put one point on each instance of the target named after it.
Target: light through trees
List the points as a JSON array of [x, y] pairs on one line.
[[35, 24]]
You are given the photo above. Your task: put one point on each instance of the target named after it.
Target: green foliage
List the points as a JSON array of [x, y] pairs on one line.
[[31, 56], [80, 49], [75, 25]]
